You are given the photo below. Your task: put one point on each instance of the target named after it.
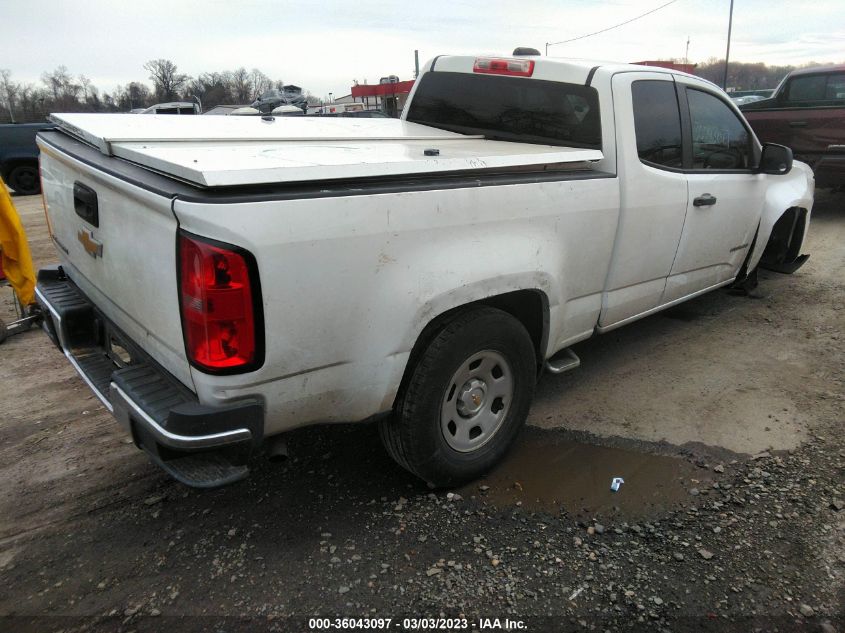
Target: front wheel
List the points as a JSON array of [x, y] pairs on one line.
[[466, 399]]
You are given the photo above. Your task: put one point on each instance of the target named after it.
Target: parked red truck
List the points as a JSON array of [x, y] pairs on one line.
[[807, 113]]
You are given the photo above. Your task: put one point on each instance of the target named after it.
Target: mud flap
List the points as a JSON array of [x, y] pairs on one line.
[[787, 268], [746, 286]]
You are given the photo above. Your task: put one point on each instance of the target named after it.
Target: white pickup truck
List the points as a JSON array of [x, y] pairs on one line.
[[224, 280]]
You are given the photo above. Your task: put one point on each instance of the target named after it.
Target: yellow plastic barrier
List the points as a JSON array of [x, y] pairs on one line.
[[14, 250]]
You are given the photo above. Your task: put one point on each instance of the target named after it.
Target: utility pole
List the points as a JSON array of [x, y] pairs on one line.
[[416, 63], [547, 49], [686, 55], [728, 52]]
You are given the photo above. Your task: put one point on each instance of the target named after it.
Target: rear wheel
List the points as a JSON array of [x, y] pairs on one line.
[[466, 399], [24, 180]]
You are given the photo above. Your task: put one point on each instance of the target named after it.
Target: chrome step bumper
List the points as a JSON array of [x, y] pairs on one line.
[[199, 445]]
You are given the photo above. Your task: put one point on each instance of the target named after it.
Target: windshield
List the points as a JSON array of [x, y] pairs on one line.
[[509, 108]]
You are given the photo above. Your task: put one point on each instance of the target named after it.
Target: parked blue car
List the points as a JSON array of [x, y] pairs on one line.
[[19, 156]]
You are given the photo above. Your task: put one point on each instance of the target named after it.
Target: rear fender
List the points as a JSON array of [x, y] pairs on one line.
[[476, 291], [492, 291]]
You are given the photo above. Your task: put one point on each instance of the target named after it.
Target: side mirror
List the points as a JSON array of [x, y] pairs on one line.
[[775, 159]]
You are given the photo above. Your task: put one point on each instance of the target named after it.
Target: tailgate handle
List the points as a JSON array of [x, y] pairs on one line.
[[797, 124], [85, 203]]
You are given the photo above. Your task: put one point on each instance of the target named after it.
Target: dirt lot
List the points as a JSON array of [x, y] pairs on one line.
[[724, 417]]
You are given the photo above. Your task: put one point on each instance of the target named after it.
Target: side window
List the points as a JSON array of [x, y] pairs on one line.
[[719, 139], [657, 122], [809, 88], [816, 89], [835, 89]]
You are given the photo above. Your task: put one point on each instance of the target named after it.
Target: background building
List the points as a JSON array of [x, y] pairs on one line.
[[389, 95]]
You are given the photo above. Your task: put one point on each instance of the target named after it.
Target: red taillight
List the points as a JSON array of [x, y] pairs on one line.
[[218, 286], [496, 66]]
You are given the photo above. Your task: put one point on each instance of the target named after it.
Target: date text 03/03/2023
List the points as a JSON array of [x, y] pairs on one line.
[[417, 624]]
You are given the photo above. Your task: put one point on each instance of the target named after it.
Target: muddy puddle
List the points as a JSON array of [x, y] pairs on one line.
[[550, 471]]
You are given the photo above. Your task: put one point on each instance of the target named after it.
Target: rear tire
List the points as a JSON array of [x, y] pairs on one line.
[[466, 398], [24, 180]]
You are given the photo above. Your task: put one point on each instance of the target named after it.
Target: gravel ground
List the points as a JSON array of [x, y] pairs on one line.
[[724, 418]]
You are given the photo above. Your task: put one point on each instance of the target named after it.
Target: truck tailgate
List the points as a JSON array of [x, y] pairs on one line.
[[117, 243]]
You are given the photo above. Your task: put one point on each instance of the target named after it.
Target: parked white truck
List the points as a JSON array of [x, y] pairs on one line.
[[224, 279]]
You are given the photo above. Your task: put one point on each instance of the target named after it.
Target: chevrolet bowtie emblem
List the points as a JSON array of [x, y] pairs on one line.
[[91, 246]]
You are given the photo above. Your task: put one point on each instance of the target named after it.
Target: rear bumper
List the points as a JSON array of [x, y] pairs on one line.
[[127, 412], [199, 445]]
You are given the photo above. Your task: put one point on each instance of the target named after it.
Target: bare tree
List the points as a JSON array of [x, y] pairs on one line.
[[134, 95], [259, 83], [743, 75], [312, 99], [32, 103], [139, 95], [166, 78], [229, 86], [64, 91], [10, 90], [86, 87], [109, 103], [241, 86], [57, 82], [212, 88]]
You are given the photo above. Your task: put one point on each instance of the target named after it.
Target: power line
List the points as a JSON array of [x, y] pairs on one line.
[[610, 28]]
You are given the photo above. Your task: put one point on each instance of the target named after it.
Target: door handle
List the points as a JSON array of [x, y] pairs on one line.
[[797, 124], [705, 200]]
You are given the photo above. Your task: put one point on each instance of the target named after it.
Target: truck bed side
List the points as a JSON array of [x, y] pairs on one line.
[[346, 297]]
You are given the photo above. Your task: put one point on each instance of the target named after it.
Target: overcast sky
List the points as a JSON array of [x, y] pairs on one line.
[[322, 45]]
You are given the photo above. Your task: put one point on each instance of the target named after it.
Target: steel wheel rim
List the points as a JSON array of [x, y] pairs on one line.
[[477, 401]]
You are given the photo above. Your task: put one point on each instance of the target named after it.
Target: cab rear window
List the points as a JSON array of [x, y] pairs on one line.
[[509, 108]]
